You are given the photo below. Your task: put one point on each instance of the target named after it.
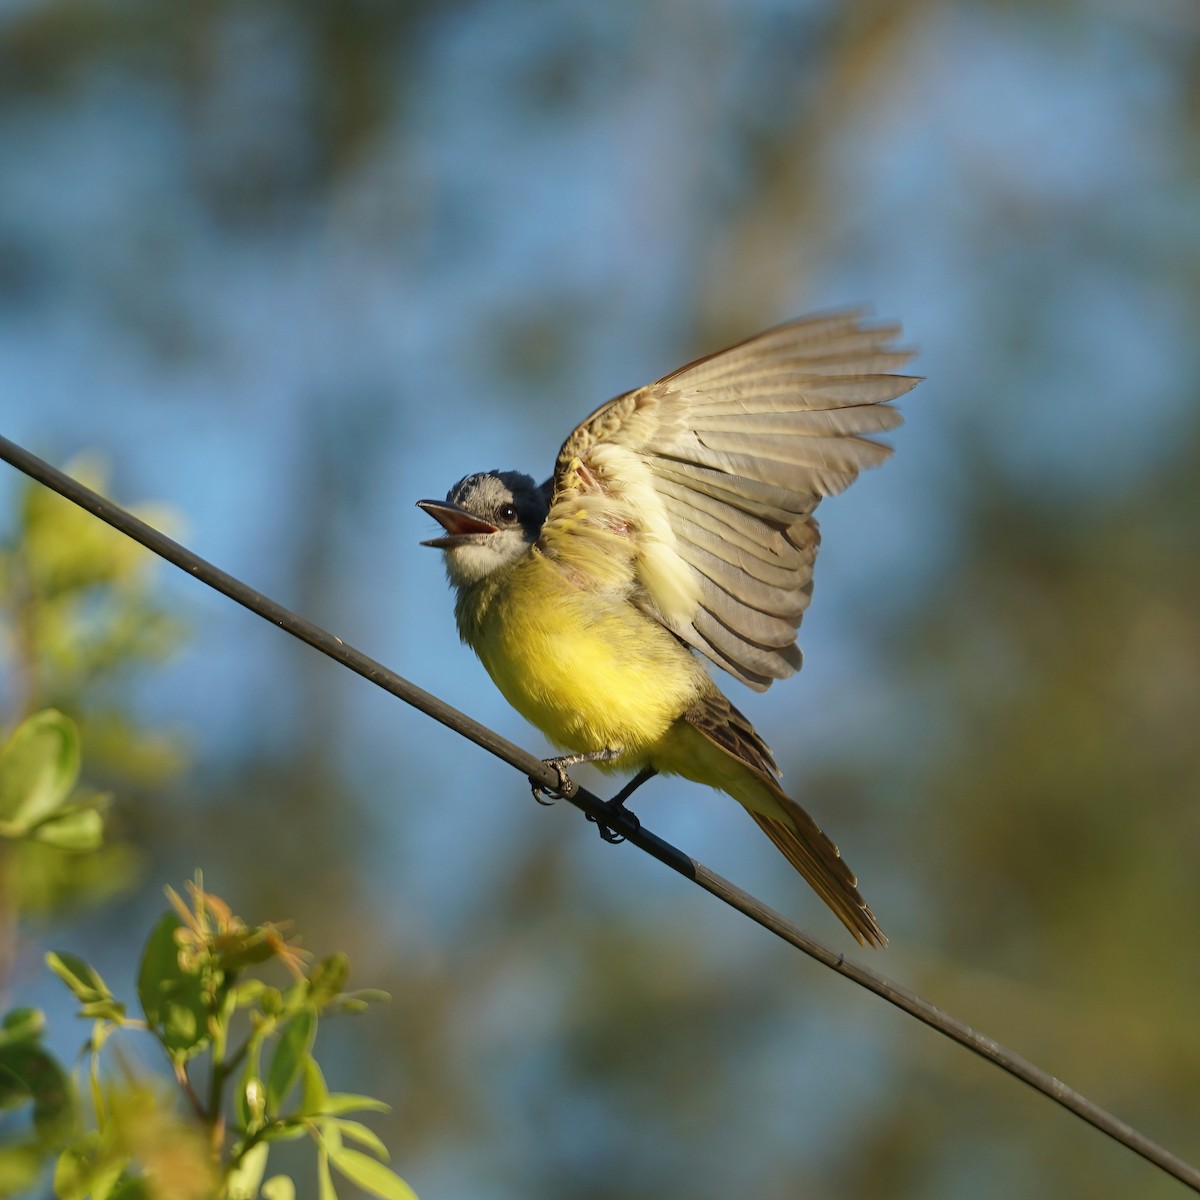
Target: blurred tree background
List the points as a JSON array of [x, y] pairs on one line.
[[289, 267]]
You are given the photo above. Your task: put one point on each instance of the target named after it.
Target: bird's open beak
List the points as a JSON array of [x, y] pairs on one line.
[[460, 525]]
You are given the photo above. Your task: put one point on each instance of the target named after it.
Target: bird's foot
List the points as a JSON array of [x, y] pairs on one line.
[[616, 806], [559, 765], [620, 813], [557, 793]]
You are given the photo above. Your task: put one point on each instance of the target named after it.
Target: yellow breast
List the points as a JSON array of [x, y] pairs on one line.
[[587, 667]]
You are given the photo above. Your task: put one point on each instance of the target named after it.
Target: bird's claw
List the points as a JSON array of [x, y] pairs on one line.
[[615, 807], [539, 790], [607, 833]]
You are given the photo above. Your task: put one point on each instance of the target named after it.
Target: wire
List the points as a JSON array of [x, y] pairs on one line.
[[622, 824]]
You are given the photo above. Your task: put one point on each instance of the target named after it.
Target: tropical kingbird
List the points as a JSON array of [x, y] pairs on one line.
[[679, 517]]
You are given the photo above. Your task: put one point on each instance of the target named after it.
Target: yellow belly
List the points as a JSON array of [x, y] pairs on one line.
[[587, 668]]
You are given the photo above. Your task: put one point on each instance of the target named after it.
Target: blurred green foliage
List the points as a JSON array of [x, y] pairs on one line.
[[241, 1050], [78, 619], [39, 768], [30, 1075], [78, 611]]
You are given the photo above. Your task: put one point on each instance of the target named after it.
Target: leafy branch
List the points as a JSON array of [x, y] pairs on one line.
[[204, 1002]]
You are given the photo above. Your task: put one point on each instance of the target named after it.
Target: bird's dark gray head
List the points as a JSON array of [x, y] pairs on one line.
[[501, 497], [491, 519]]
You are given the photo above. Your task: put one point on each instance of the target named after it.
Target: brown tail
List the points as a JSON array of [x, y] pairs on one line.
[[796, 834], [821, 863]]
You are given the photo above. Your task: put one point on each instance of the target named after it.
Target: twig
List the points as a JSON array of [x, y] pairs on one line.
[[633, 832]]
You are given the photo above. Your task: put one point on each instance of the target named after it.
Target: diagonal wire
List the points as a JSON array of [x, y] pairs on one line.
[[620, 823]]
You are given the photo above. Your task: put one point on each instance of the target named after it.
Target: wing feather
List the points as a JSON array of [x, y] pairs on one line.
[[759, 595], [765, 540], [780, 573], [762, 662], [827, 468], [711, 476], [772, 504], [848, 452], [761, 628], [858, 418], [832, 376]]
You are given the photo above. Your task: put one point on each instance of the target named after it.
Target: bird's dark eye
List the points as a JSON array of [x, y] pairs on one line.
[[507, 513]]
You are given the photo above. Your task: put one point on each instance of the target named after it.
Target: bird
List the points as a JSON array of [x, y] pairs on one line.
[[678, 527]]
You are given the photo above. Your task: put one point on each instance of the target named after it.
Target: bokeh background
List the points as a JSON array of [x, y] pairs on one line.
[[287, 267]]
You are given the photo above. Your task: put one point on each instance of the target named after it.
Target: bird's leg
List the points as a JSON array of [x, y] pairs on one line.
[[617, 805], [560, 764]]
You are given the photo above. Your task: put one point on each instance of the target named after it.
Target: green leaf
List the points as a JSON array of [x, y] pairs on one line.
[[21, 1164], [172, 999], [80, 829], [327, 978], [358, 1132], [243, 1180], [315, 1094], [104, 1010], [279, 1187], [96, 1087], [247, 992], [23, 1025], [251, 1103], [370, 1174], [251, 1076], [80, 976], [129, 1187], [286, 1130], [82, 1170], [38, 768], [29, 1073], [293, 1048], [331, 1136], [325, 1188], [337, 1103], [357, 1001], [349, 1005]]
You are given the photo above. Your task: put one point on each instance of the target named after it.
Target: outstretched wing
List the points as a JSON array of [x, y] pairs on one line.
[[698, 490]]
